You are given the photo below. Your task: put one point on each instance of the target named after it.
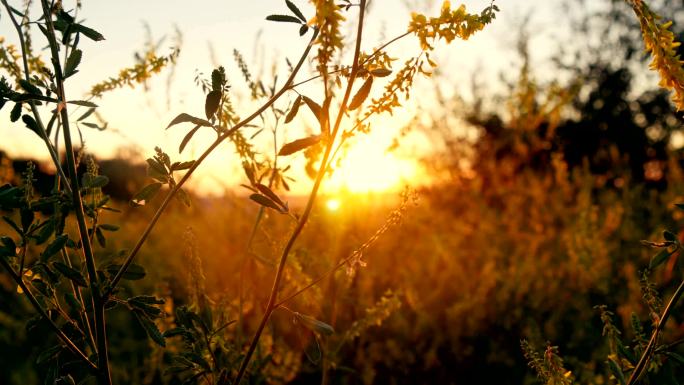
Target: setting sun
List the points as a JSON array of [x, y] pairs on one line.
[[368, 167], [333, 204]]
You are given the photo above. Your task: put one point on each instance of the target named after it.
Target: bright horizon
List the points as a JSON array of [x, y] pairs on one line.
[[137, 118]]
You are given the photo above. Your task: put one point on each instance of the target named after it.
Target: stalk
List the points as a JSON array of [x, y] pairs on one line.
[[646, 356], [309, 205], [196, 164], [104, 377]]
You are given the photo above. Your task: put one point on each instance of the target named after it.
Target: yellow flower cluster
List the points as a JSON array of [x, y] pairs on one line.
[[449, 25], [328, 19], [661, 43], [139, 73], [9, 59]]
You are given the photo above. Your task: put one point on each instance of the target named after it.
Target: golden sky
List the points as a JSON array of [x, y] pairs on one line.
[[211, 30]]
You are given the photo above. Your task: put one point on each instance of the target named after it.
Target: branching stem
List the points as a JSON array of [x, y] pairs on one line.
[[309, 205]]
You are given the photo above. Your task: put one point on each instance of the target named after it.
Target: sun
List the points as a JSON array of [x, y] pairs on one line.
[[368, 167], [333, 204]]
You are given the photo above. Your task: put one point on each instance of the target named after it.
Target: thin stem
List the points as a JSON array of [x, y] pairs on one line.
[[646, 356], [374, 54], [196, 164], [36, 305], [32, 104], [104, 376], [309, 206], [87, 328]]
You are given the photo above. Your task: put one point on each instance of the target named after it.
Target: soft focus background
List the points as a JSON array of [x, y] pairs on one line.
[[541, 153]]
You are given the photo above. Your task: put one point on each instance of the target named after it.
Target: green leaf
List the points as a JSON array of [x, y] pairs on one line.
[[31, 124], [293, 111], [86, 114], [145, 303], [92, 125], [212, 103], [616, 371], [187, 138], [146, 194], [313, 106], [101, 239], [183, 196], [90, 181], [150, 327], [266, 202], [88, 32], [72, 63], [177, 331], [45, 232], [361, 94], [15, 114], [298, 145], [269, 193], [183, 118], [178, 166], [157, 170], [70, 273], [314, 324], [283, 19], [82, 103], [303, 30], [381, 72], [218, 79], [54, 247], [659, 258], [295, 10], [30, 88], [133, 273], [108, 227]]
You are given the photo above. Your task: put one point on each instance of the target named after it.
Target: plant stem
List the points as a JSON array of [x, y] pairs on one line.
[[375, 53], [36, 305], [646, 356], [104, 377], [32, 104], [309, 205], [196, 164]]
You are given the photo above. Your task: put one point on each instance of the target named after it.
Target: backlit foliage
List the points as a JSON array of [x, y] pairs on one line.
[[661, 44]]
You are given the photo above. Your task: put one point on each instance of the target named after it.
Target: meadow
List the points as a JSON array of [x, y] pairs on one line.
[[542, 249]]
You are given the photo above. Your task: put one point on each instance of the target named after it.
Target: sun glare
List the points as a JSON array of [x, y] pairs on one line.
[[367, 167], [333, 204]]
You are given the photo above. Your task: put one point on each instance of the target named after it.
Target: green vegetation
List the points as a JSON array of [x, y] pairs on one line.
[[556, 222]]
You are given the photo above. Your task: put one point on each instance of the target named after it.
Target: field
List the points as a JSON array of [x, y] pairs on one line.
[[536, 239]]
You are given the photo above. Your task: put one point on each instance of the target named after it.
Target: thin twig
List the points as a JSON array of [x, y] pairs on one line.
[[197, 163], [646, 356], [309, 206], [36, 305], [32, 104], [371, 56], [104, 377]]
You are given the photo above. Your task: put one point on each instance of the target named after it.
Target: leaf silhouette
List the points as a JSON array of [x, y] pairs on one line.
[[298, 145], [361, 94]]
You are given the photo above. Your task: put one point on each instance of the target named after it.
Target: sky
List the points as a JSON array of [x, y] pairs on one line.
[[212, 29]]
